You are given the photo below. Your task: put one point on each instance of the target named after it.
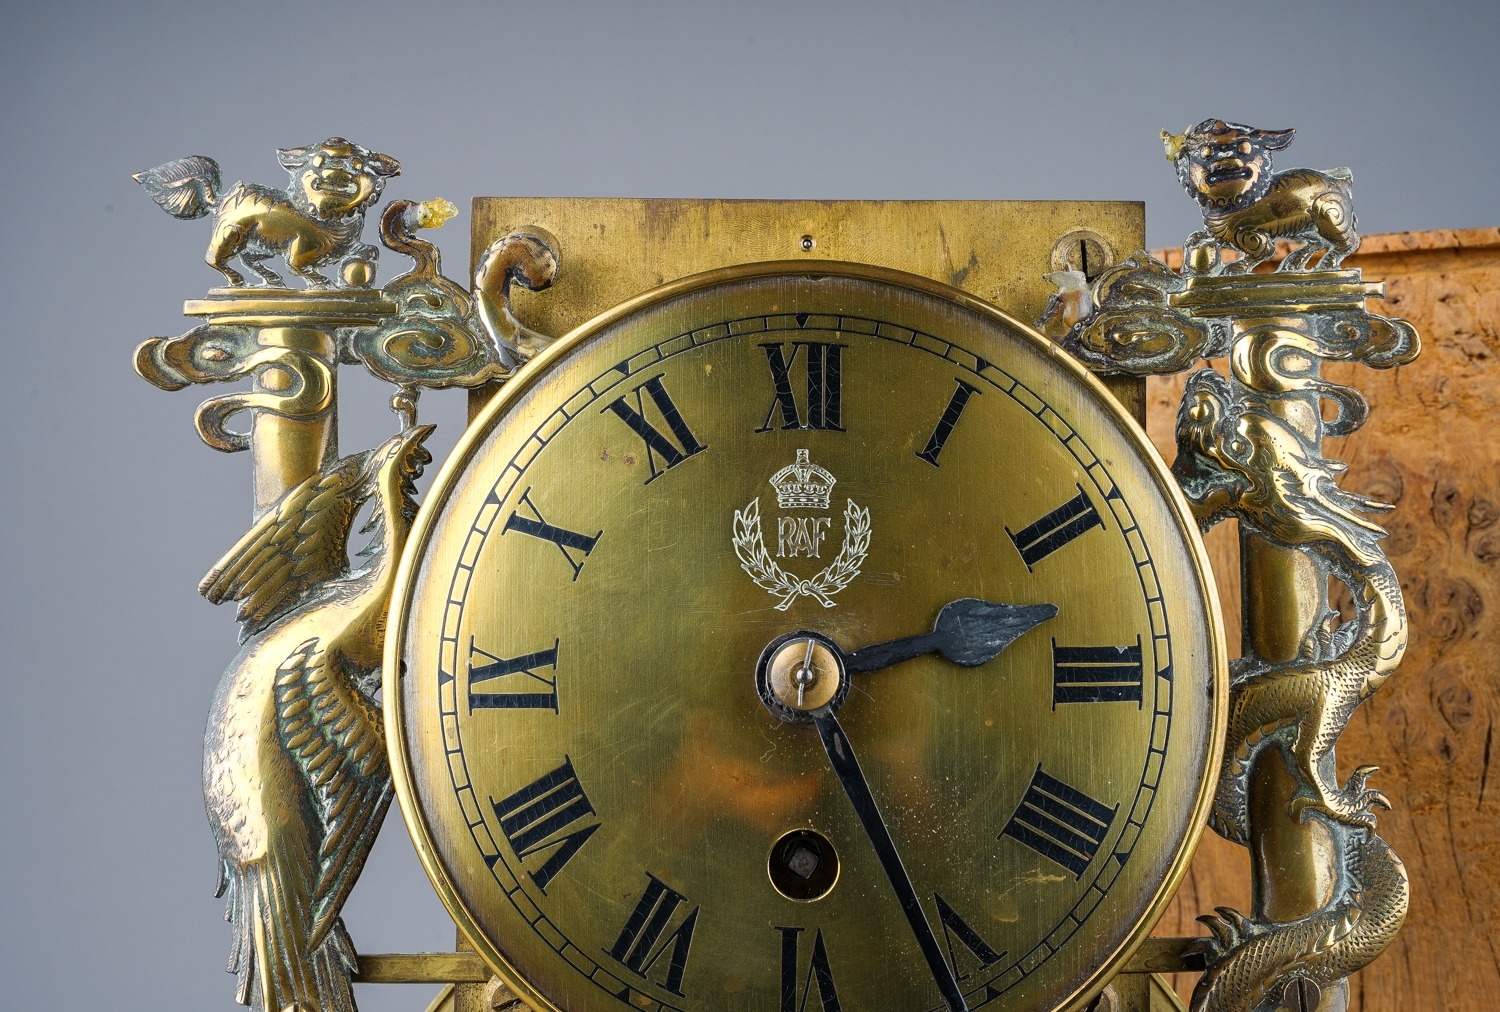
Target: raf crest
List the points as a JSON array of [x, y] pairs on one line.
[[801, 485]]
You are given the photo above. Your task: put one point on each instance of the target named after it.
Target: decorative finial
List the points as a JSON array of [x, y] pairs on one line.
[[315, 223]]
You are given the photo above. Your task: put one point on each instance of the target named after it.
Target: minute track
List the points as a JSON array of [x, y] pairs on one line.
[[647, 544], [986, 374]]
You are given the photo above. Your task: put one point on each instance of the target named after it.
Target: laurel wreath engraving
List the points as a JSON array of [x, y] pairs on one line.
[[768, 575]]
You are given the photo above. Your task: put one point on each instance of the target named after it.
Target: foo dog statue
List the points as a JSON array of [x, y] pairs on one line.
[[314, 223], [1226, 167]]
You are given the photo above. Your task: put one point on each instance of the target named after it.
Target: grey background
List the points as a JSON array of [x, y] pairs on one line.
[[112, 508]]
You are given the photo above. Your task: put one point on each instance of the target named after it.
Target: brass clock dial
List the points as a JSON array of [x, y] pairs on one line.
[[804, 637]]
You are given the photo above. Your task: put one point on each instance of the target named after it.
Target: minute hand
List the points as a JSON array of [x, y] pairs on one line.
[[967, 631], [852, 778]]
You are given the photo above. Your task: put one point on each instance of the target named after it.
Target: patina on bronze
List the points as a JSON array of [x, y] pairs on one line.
[[1329, 893]]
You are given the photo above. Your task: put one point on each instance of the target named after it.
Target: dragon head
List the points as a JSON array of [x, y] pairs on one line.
[[1235, 458]]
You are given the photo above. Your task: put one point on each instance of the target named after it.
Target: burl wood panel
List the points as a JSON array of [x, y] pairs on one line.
[[1430, 447]]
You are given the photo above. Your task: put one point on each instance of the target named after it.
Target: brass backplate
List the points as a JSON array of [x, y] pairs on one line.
[[615, 248]]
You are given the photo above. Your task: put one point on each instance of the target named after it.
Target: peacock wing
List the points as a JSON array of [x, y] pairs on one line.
[[299, 543], [334, 734]]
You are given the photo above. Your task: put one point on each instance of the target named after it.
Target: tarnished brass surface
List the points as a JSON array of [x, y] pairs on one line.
[[1165, 955], [616, 248], [1329, 893], [581, 615], [1210, 296], [1144, 993], [1163, 998], [1294, 864], [287, 449], [421, 968], [1226, 167]]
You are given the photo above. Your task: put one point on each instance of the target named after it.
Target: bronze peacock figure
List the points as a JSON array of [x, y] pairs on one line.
[[295, 777]]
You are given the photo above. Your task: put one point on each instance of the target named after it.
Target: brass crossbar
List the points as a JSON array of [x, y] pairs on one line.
[[1156, 955], [422, 968]]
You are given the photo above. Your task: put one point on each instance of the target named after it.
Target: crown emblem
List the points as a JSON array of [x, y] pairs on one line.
[[803, 485]]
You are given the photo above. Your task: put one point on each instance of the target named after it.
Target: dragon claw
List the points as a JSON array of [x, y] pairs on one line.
[[1351, 805], [1229, 929], [1335, 808]]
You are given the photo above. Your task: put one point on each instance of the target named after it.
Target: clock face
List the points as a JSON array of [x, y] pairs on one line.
[[661, 728]]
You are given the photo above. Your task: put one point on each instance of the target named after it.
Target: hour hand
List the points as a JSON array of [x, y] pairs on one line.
[[967, 631]]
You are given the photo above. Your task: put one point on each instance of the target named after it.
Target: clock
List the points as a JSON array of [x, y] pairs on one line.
[[804, 636]]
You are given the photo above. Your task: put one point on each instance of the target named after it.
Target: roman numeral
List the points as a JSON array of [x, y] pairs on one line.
[[1060, 823], [658, 445], [533, 817], [491, 667], [944, 429], [1056, 529], [824, 386], [575, 547], [1096, 674], [641, 943], [819, 974], [955, 926]]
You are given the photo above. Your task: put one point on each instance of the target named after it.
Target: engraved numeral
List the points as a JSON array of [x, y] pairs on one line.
[[955, 927], [641, 943], [490, 667], [532, 818], [575, 547], [1096, 674], [824, 386], [1056, 529], [657, 444], [1060, 823], [819, 974], [944, 429]]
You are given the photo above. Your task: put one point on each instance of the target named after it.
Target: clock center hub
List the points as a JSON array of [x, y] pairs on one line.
[[801, 672]]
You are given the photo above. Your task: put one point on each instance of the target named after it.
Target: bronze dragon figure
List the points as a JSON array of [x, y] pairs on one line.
[[295, 776], [1248, 958], [1250, 449], [1237, 458]]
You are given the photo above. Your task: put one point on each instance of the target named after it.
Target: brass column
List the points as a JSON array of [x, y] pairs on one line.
[[1293, 863], [287, 450]]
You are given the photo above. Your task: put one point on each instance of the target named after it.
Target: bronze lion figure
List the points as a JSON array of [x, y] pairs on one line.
[[1226, 167], [316, 222]]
